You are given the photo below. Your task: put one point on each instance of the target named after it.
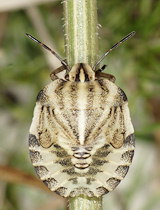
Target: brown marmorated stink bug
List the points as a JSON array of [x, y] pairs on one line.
[[81, 138]]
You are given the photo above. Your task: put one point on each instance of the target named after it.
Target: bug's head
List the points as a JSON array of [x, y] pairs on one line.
[[81, 72]]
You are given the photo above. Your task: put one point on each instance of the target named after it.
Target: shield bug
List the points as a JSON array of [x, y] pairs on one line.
[[81, 138]]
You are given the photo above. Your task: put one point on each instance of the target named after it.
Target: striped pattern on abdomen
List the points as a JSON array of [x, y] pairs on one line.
[[101, 175]]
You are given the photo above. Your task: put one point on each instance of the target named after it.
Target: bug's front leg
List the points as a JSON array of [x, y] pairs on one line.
[[105, 75], [53, 74]]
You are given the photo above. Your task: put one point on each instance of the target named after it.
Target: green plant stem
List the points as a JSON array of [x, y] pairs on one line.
[[81, 34], [85, 203], [81, 41]]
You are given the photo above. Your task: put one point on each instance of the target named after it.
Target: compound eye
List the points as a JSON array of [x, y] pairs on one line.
[[72, 77]]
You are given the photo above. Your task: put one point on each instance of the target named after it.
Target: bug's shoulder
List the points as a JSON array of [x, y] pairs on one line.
[[49, 91], [114, 91]]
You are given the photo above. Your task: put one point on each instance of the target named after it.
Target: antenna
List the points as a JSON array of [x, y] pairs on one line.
[[130, 35], [49, 49]]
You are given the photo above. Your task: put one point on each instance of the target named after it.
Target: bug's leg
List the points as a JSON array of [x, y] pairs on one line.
[[103, 68], [105, 75], [53, 75]]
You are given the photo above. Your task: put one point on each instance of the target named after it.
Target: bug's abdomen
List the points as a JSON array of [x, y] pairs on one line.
[[93, 175], [81, 138]]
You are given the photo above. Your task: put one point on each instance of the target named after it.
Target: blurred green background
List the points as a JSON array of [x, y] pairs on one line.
[[24, 70]]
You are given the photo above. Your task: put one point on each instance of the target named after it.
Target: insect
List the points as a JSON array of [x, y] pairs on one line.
[[81, 138]]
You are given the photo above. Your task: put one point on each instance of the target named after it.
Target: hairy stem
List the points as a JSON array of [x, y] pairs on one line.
[[81, 46], [81, 36], [85, 203]]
